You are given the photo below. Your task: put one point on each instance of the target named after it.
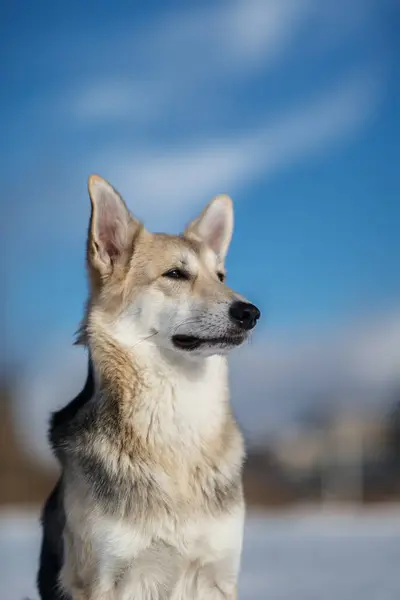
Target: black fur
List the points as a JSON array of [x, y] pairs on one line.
[[53, 518]]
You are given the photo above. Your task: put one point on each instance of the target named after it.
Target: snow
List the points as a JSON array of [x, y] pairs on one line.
[[297, 556]]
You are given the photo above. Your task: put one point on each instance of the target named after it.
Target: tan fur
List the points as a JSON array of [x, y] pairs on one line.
[[152, 467]]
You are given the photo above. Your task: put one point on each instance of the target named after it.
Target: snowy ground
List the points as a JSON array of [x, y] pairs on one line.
[[288, 557]]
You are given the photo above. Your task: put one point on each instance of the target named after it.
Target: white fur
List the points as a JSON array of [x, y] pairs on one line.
[[195, 557], [187, 395], [153, 317], [198, 557]]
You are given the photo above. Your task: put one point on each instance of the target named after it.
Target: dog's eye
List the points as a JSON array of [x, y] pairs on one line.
[[176, 274], [221, 276]]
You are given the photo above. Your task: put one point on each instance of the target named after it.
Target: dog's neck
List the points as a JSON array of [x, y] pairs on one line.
[[162, 392], [119, 364]]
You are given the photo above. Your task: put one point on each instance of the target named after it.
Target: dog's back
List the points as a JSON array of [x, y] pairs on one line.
[[53, 517]]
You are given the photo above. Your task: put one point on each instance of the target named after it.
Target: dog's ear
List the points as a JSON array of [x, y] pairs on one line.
[[112, 228], [215, 225]]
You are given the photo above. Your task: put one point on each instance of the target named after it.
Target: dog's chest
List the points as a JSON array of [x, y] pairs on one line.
[[191, 537], [181, 411], [163, 552]]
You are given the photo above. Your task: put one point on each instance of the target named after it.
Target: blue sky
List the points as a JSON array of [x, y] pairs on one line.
[[290, 106]]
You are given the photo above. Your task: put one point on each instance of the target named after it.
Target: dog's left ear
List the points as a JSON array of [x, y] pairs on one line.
[[215, 225]]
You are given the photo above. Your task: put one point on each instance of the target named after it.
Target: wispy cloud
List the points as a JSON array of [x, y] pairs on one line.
[[354, 366], [183, 56], [189, 54], [181, 177], [112, 98], [178, 76]]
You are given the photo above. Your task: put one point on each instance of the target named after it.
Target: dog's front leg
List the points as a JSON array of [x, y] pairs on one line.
[[82, 576], [203, 583], [89, 593]]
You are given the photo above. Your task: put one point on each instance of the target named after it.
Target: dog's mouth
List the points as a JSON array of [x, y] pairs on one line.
[[191, 342]]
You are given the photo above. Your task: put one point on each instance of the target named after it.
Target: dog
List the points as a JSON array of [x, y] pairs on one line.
[[149, 504]]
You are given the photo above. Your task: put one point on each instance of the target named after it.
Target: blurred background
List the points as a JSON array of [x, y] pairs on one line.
[[293, 108]]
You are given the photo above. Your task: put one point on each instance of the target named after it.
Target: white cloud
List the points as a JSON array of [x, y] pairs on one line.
[[185, 55], [165, 187], [353, 366], [200, 54], [259, 30], [181, 177], [113, 98], [189, 53], [374, 353]]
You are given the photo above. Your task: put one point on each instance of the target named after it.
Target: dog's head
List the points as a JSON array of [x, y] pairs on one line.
[[168, 290]]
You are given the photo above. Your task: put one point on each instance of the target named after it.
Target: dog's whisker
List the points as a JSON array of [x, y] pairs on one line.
[[145, 339]]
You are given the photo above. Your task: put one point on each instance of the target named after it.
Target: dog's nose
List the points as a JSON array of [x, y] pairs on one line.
[[244, 314]]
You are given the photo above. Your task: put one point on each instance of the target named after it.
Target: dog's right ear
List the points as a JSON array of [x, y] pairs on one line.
[[112, 227]]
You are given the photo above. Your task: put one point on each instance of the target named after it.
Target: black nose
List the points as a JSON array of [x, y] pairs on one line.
[[244, 314]]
